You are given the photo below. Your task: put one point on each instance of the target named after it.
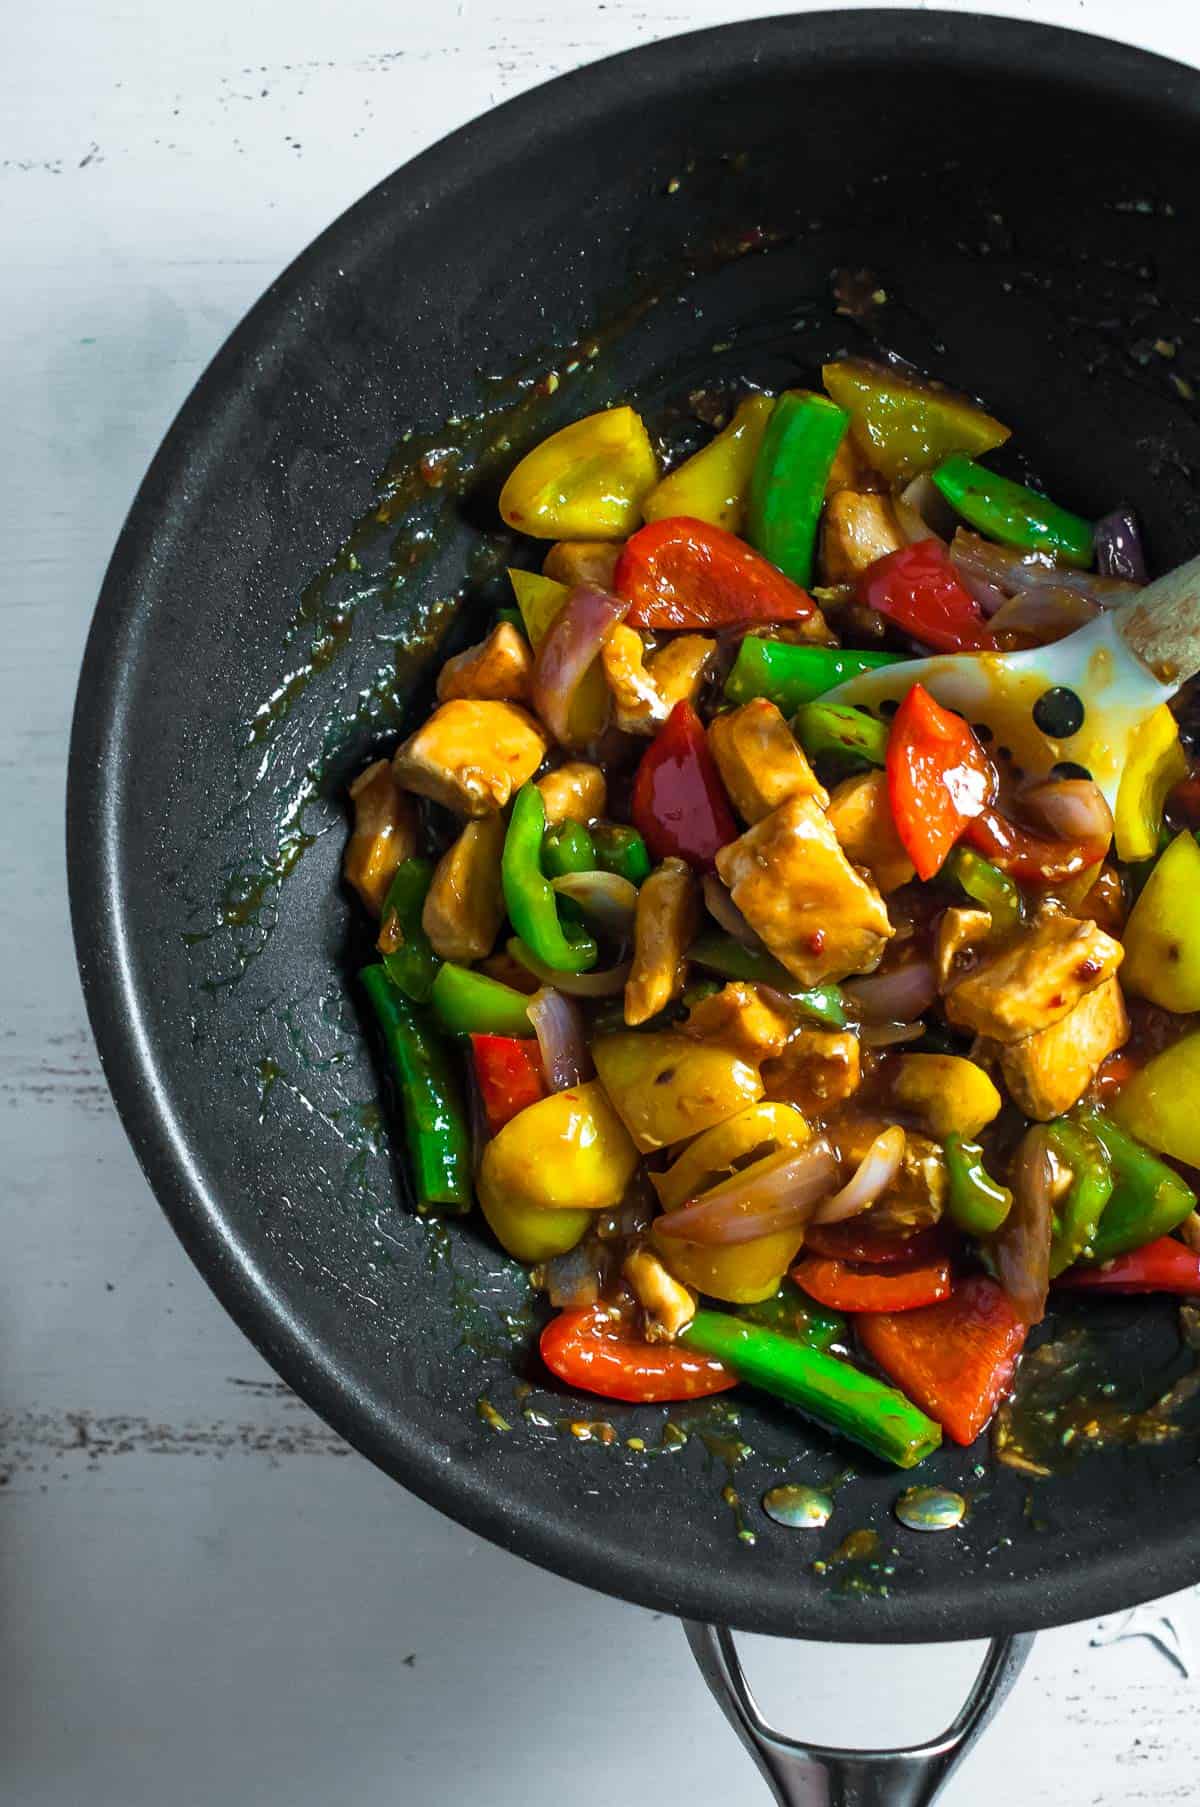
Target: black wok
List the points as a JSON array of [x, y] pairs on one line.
[[1025, 199]]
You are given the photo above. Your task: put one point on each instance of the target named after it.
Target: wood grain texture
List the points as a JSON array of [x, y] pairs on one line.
[[1166, 636], [205, 1597]]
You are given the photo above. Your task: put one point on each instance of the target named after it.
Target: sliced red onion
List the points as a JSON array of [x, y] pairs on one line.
[[889, 1035], [974, 557], [481, 1135], [721, 906], [779, 1193], [562, 1038], [922, 505], [573, 641], [895, 997], [1021, 1247], [605, 984], [1073, 809], [990, 597], [607, 899], [1013, 571], [912, 523], [873, 1175], [1119, 549], [1046, 614]]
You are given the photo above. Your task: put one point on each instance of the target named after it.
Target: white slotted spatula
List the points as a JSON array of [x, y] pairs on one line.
[[1109, 676]]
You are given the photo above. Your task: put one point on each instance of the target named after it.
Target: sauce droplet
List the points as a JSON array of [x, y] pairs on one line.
[[798, 1507], [860, 1546], [930, 1509], [590, 1430], [729, 1495]]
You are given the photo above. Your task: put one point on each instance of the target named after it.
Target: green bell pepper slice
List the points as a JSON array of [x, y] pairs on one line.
[[787, 484], [567, 848], [791, 1312], [836, 1395], [408, 958], [470, 1003], [621, 850], [985, 884], [528, 895], [975, 1202], [1148, 1199], [789, 675], [722, 954], [437, 1137], [1011, 513], [1077, 1216], [1157, 1104], [840, 731]]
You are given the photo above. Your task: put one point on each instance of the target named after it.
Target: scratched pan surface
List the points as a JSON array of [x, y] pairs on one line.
[[1025, 200]]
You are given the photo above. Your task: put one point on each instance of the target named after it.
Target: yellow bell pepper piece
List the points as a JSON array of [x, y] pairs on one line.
[[711, 486], [526, 1231], [1158, 1105], [951, 1095], [539, 600], [1162, 936], [745, 1275], [712, 1157], [568, 1151], [904, 427], [751, 1271], [551, 1168], [1156, 763], [665, 1086], [586, 482]]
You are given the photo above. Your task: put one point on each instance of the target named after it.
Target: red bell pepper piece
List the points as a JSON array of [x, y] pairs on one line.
[[597, 1353], [679, 803], [680, 572], [845, 1288], [1033, 858], [938, 777], [919, 589], [955, 1360], [1165, 1266], [858, 1242], [510, 1076]]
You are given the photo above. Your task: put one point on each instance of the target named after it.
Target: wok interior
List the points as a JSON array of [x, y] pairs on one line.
[[1025, 213]]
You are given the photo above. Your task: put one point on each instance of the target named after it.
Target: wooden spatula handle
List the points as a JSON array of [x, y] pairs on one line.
[[1162, 625]]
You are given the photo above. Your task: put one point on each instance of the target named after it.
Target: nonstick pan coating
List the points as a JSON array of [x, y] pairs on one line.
[[1024, 199]]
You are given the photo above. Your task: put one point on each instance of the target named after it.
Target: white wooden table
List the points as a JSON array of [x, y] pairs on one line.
[[206, 1597]]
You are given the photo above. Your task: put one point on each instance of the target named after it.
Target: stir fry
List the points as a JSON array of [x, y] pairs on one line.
[[788, 1041]]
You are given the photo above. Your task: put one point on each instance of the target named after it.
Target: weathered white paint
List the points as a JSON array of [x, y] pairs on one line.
[[205, 1598]]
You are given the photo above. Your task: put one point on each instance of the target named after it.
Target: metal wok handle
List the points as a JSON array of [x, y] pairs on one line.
[[815, 1775]]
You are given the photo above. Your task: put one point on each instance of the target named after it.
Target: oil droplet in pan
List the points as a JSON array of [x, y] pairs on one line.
[[930, 1509], [798, 1507]]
